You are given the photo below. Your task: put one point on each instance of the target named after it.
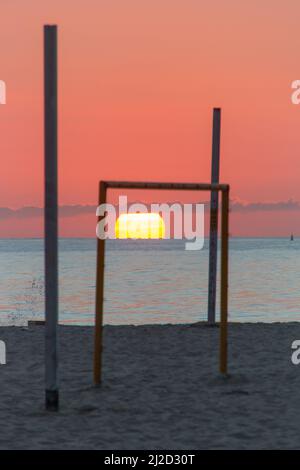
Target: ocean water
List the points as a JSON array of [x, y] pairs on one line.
[[151, 281]]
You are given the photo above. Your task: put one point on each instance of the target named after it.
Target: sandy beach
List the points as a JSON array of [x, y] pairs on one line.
[[161, 389]]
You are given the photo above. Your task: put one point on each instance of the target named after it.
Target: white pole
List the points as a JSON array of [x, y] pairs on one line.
[[213, 234], [51, 258]]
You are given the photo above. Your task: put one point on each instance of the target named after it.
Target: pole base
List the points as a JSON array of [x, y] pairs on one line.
[[212, 324], [52, 400]]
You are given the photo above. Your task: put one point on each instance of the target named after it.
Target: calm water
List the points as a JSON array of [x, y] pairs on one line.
[[151, 281]]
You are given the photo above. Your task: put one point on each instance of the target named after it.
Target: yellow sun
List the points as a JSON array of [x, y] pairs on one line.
[[140, 225]]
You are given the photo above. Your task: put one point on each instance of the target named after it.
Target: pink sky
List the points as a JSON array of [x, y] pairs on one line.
[[137, 84]]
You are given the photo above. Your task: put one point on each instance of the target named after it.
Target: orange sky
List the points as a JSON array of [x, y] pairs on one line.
[[137, 84]]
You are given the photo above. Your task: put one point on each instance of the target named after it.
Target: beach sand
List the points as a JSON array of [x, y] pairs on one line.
[[161, 389]]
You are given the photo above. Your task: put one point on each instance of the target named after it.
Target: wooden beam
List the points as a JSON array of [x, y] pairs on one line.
[[169, 186], [99, 297], [224, 282]]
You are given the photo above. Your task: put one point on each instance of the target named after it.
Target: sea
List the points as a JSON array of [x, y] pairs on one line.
[[151, 281]]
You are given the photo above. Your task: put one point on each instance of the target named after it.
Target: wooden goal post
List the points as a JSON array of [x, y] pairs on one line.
[[224, 189]]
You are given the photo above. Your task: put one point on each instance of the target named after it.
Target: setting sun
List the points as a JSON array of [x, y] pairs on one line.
[[140, 225]]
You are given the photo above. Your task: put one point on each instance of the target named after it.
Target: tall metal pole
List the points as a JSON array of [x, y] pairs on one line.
[[213, 233], [51, 225]]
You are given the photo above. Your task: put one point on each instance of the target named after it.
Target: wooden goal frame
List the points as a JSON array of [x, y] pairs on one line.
[[224, 189]]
